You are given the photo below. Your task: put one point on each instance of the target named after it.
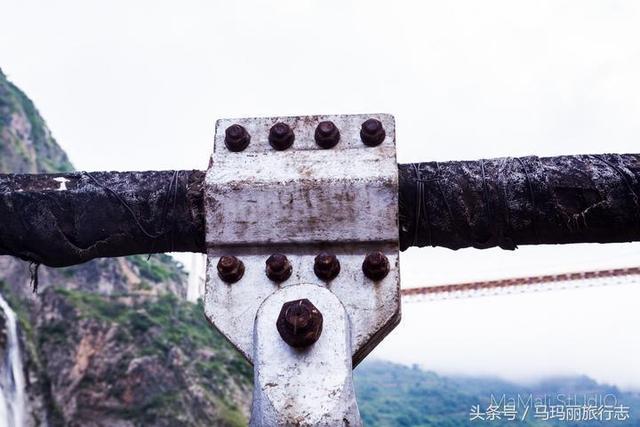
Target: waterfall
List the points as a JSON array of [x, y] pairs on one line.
[[11, 374]]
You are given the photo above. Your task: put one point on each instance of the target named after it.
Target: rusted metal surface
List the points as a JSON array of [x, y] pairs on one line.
[[521, 201], [236, 138], [304, 194], [299, 323], [375, 265], [326, 266], [372, 132], [278, 268], [299, 203], [368, 302], [327, 134], [281, 136], [65, 219], [230, 269], [311, 386]]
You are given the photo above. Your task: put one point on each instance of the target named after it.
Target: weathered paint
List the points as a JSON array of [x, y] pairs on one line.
[[300, 202], [303, 194], [309, 387], [373, 307]]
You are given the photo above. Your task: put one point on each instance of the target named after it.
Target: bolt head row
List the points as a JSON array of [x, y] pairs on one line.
[[236, 138], [376, 266], [372, 132], [326, 266], [230, 269], [278, 268], [281, 136], [327, 134]]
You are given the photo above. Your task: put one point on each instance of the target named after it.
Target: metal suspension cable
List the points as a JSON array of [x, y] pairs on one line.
[[523, 284], [500, 202], [509, 202]]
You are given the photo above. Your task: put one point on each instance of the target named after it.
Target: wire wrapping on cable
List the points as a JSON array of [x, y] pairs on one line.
[[508, 202], [100, 214]]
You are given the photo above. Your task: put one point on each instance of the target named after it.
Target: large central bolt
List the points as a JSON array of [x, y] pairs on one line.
[[236, 138], [375, 266], [372, 132], [299, 323], [278, 268], [281, 136], [326, 266], [230, 268]]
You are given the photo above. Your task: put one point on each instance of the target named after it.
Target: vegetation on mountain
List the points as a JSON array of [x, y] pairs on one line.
[[113, 342], [26, 143], [398, 395]]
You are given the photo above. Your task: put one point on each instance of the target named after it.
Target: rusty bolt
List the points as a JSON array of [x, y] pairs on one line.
[[281, 136], [278, 268], [326, 266], [236, 138], [230, 269], [375, 266], [299, 323], [327, 134], [372, 133]]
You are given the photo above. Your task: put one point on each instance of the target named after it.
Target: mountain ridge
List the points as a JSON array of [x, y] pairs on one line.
[[111, 342], [391, 394]]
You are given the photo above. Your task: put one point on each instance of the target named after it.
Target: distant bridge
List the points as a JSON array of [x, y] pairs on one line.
[[547, 282]]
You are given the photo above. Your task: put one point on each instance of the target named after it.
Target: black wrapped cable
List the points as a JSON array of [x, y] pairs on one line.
[[520, 201], [65, 219]]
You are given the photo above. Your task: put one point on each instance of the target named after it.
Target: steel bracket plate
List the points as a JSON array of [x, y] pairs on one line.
[[300, 202], [304, 388]]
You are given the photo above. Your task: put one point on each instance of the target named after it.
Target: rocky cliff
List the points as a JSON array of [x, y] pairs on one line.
[[110, 342]]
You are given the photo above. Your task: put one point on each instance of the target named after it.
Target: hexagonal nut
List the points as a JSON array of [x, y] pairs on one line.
[[278, 268], [326, 266], [299, 323], [376, 266], [230, 268]]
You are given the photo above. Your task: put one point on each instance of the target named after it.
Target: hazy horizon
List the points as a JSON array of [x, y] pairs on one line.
[[522, 382]]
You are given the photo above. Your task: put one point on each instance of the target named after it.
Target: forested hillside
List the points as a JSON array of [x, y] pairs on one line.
[[397, 395], [113, 342]]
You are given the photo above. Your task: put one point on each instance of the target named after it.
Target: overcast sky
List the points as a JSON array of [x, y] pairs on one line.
[[138, 85]]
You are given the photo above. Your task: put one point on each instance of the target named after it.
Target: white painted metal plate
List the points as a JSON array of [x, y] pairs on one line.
[[300, 202], [303, 194], [310, 387], [373, 307]]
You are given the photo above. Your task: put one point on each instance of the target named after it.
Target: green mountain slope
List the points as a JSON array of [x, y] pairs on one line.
[[111, 342], [27, 145], [397, 395]]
